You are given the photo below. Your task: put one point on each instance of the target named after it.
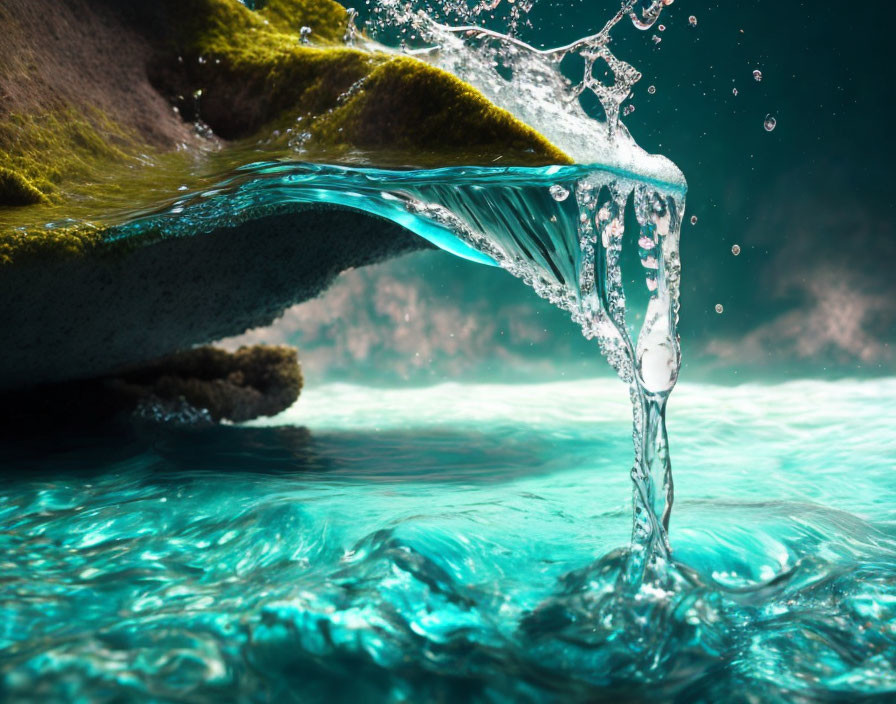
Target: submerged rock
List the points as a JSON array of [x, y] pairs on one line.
[[236, 386], [201, 385]]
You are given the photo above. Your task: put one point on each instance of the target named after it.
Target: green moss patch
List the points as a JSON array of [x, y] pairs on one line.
[[327, 20], [405, 105], [39, 243], [42, 152], [15, 189]]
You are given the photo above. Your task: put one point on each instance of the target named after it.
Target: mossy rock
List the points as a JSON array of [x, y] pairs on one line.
[[67, 158], [201, 384], [87, 141]]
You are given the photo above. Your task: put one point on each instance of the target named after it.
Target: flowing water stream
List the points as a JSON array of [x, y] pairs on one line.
[[561, 230]]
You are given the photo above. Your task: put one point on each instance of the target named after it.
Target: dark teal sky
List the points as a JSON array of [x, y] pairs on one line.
[[811, 205]]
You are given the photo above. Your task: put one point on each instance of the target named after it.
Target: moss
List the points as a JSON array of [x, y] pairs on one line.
[[237, 386], [44, 243], [251, 382], [46, 150], [328, 20], [15, 189], [404, 104], [349, 99]]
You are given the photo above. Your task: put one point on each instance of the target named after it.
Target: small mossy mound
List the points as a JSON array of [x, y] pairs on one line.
[[407, 106], [238, 386], [15, 189]]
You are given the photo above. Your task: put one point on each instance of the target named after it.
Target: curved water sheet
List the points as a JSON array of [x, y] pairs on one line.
[[560, 229]]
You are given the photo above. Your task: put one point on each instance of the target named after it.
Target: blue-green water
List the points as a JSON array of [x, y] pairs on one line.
[[457, 543]]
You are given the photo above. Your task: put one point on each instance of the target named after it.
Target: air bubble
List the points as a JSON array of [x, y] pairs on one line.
[[692, 21], [629, 109], [734, 91], [735, 249], [770, 123], [649, 14], [693, 219], [651, 90], [757, 74], [720, 308], [559, 193]]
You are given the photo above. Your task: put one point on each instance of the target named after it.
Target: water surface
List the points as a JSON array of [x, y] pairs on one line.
[[458, 542]]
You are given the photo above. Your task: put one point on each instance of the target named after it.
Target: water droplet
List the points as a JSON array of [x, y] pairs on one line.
[[649, 13], [693, 219], [720, 308], [692, 21], [770, 123], [651, 89], [757, 74], [735, 249], [559, 193]]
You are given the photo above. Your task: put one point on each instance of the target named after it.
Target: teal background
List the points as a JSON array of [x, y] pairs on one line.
[[810, 204]]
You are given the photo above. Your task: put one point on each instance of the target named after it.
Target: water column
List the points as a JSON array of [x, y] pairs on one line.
[[647, 359]]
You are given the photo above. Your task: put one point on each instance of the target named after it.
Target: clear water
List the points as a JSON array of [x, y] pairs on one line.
[[458, 543]]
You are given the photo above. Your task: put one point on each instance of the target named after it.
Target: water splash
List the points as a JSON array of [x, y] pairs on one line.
[[531, 83]]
